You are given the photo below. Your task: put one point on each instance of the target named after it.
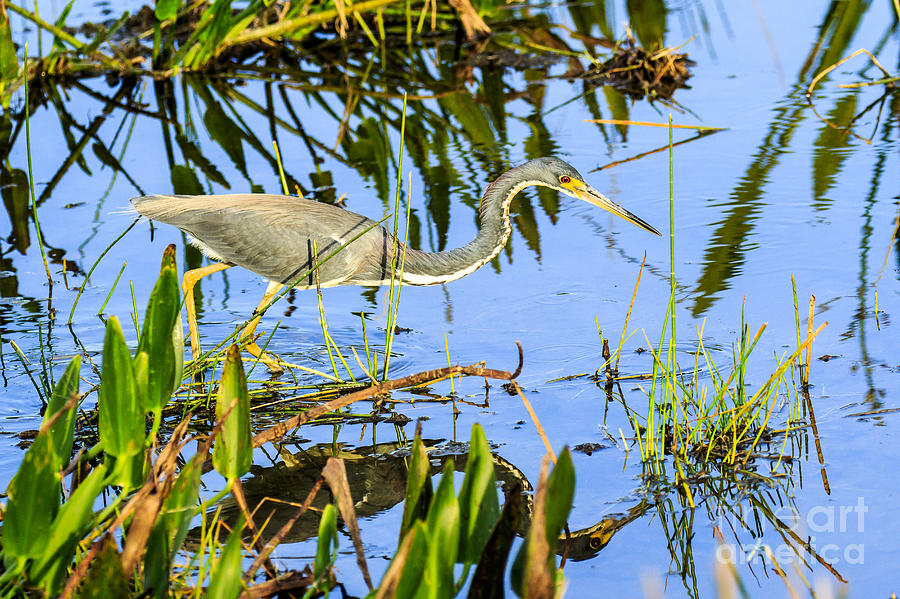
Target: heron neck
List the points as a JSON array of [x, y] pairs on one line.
[[429, 268]]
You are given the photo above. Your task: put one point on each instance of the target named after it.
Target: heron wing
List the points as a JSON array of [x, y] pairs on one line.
[[272, 235]]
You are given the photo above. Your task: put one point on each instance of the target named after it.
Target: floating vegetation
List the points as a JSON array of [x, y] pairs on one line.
[[638, 72]]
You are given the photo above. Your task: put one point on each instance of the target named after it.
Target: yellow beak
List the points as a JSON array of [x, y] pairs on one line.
[[590, 195]]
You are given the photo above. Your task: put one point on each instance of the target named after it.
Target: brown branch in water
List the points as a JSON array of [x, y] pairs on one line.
[[429, 376]]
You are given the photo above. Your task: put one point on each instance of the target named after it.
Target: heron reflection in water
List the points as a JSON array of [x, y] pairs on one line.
[[377, 478], [282, 238]]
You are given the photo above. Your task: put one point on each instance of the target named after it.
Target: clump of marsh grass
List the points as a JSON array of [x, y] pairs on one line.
[[707, 412]]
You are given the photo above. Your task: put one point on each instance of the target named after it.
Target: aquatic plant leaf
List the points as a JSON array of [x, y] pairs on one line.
[[471, 117], [166, 9], [201, 46], [101, 36], [156, 564], [172, 527], [534, 566], [403, 578], [156, 335], [225, 579], [121, 416], [478, 504], [370, 150], [62, 431], [233, 447], [141, 369], [178, 351], [443, 538], [560, 492], [71, 524], [418, 488], [33, 502], [34, 493], [488, 582]]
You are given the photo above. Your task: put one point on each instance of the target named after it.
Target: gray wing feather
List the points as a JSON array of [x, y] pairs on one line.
[[273, 235]]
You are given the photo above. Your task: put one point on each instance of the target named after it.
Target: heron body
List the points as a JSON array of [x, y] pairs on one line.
[[281, 237]]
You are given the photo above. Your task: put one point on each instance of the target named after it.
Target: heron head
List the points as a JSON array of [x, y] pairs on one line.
[[563, 177]]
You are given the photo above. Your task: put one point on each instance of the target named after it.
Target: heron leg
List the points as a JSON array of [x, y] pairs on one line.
[[187, 284], [247, 334]]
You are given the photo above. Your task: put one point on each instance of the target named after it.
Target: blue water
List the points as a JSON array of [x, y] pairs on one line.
[[755, 204]]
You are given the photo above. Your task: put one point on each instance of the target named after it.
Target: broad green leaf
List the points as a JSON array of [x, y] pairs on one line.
[[156, 564], [58, 44], [618, 106], [410, 577], [233, 446], [131, 471], [560, 492], [34, 493], [225, 579], [171, 527], [33, 502], [181, 504], [418, 488], [141, 369], [160, 320], [478, 504], [471, 116], [62, 431], [166, 9], [443, 539], [486, 583], [103, 155], [121, 419], [70, 526]]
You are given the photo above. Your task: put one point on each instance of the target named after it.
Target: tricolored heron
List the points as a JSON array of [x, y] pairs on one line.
[[283, 237]]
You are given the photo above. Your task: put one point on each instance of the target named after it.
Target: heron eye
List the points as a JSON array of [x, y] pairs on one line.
[[564, 179]]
